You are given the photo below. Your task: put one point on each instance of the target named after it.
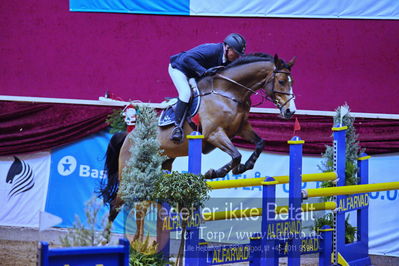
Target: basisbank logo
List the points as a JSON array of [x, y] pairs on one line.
[[68, 164]]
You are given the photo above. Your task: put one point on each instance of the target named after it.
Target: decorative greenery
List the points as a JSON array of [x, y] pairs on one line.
[[140, 259], [182, 190], [139, 178], [144, 253], [352, 151], [116, 121], [144, 167], [186, 193], [144, 247], [350, 230], [86, 235], [327, 165]]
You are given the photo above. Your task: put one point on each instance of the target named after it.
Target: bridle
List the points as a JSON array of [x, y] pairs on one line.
[[269, 94], [272, 95]]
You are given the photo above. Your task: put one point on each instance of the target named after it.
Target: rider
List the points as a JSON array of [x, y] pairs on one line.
[[198, 62]]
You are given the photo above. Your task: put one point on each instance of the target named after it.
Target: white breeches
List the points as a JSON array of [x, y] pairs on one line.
[[181, 83]]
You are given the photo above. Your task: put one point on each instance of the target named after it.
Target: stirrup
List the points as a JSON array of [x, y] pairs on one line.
[[177, 135]]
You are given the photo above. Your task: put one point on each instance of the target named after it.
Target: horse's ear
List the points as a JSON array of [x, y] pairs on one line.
[[292, 62], [277, 62]]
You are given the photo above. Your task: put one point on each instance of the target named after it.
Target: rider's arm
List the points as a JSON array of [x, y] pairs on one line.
[[194, 65]]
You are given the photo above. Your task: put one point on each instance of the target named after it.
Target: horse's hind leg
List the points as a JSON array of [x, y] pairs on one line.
[[248, 134], [167, 164], [114, 208], [220, 140]]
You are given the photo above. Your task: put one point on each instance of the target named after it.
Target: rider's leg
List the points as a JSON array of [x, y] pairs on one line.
[[181, 83], [177, 134]]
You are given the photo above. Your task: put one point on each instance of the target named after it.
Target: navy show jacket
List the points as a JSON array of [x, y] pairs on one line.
[[194, 62]]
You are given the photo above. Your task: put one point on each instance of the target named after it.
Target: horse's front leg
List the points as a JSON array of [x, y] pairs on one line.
[[248, 134], [220, 140]]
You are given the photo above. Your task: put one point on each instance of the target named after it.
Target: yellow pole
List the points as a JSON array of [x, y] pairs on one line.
[[349, 190], [247, 182], [253, 212], [250, 182], [308, 207]]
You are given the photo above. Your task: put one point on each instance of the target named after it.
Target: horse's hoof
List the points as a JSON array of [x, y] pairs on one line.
[[210, 174], [239, 169]]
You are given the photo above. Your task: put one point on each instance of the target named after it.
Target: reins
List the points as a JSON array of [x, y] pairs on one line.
[[264, 82]]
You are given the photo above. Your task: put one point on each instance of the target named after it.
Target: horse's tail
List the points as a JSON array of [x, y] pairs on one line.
[[109, 187]]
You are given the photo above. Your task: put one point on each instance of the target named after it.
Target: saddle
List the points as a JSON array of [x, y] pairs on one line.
[[167, 116]]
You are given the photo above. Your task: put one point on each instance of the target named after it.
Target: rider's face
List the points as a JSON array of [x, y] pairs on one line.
[[231, 55]]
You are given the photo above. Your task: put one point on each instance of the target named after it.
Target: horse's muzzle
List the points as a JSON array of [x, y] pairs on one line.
[[287, 113]]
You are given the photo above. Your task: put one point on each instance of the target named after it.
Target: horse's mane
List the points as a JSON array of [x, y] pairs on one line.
[[251, 58]]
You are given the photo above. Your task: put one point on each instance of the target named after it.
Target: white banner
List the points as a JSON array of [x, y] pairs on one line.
[[23, 188], [383, 210], [354, 9]]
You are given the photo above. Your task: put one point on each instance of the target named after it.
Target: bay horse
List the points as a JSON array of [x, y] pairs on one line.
[[224, 110]]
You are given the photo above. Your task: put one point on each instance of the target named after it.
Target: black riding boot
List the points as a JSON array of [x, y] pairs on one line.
[[177, 134]]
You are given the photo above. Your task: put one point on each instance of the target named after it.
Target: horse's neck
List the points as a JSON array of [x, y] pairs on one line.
[[249, 77]]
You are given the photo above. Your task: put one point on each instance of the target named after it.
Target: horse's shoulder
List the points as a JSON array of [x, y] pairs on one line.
[[204, 83]]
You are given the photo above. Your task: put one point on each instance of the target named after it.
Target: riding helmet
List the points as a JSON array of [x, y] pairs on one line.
[[237, 42]]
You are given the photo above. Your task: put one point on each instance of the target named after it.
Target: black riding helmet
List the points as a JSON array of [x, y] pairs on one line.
[[237, 42]]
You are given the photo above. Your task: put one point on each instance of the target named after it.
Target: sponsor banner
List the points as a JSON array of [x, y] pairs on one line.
[[365, 9], [75, 176], [383, 210], [23, 188]]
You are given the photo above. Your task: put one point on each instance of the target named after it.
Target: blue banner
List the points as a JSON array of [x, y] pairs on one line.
[[75, 174], [166, 7]]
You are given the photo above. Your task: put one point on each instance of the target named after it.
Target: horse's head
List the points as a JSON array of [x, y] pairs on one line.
[[279, 87]]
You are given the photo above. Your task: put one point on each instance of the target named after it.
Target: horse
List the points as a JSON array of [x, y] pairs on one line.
[[224, 110]]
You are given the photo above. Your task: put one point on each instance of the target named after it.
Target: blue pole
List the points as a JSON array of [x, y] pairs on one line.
[[192, 253], [44, 259], [326, 233], [256, 254], [363, 214], [269, 242], [362, 223], [339, 146], [202, 252], [295, 200], [194, 152]]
